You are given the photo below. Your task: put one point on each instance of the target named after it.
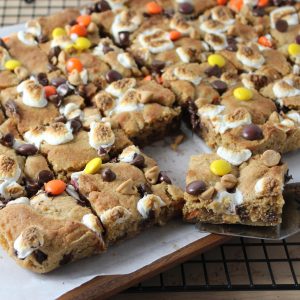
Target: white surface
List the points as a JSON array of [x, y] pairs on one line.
[[129, 255]]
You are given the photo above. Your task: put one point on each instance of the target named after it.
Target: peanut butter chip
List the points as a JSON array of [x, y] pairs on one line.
[[33, 237], [229, 181], [152, 175], [219, 187], [208, 194], [271, 158], [127, 188], [74, 78]]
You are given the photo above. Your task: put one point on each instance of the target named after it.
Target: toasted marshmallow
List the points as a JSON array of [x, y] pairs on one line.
[[26, 38], [149, 203], [287, 13], [71, 111], [115, 215], [250, 57], [294, 116], [178, 23], [35, 136], [9, 168], [101, 135], [10, 189], [126, 60], [104, 44], [285, 88], [33, 93], [62, 41], [156, 40], [33, 27], [58, 133], [234, 157], [210, 111], [268, 186], [127, 21], [92, 222], [212, 26], [129, 102], [188, 73], [117, 88], [185, 54], [217, 42], [230, 200], [90, 115], [222, 14], [128, 154], [28, 241], [20, 200]]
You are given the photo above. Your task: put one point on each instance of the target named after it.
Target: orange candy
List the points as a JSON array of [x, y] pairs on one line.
[[84, 20], [153, 8], [264, 41], [262, 3], [50, 90], [74, 64], [55, 187], [222, 2], [236, 5], [79, 30], [175, 35]]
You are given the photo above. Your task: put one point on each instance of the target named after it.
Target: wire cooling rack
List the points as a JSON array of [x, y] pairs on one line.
[[242, 264]]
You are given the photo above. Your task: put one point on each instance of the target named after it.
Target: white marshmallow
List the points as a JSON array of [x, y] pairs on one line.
[[128, 154], [234, 198], [149, 202], [234, 157], [92, 222]]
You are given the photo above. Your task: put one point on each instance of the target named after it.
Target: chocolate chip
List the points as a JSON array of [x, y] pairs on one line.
[[73, 22], [258, 11], [138, 160], [220, 86], [169, 12], [282, 25], [12, 107], [144, 189], [2, 44], [112, 76], [185, 8], [102, 6], [157, 65], [56, 100], [57, 81], [107, 49], [108, 175], [232, 44], [75, 125], [7, 140], [66, 259], [213, 71], [297, 39], [102, 152], [40, 256], [193, 113], [259, 81], [61, 119], [124, 38], [54, 52], [252, 132], [196, 187], [31, 187], [163, 177], [271, 216], [43, 39], [42, 79], [63, 90], [26, 149], [242, 212], [44, 176]]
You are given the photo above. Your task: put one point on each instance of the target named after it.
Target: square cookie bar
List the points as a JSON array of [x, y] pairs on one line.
[[247, 193], [129, 194]]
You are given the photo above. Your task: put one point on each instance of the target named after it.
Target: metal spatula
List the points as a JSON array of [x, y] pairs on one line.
[[290, 221]]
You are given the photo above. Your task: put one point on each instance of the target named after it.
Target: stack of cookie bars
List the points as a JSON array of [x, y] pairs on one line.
[[82, 90]]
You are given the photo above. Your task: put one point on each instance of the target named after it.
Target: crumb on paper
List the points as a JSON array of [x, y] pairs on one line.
[[177, 141]]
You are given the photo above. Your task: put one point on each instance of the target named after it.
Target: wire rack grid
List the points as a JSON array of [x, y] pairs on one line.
[[242, 264]]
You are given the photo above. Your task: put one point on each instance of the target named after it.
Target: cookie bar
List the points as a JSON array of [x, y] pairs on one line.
[[247, 193], [129, 194]]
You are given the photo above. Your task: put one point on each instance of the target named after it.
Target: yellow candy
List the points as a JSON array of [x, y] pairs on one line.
[[242, 94], [11, 64], [220, 167], [82, 43], [58, 31], [93, 166], [294, 49], [216, 60]]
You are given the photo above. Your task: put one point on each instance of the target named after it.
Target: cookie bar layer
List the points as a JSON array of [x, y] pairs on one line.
[[248, 193]]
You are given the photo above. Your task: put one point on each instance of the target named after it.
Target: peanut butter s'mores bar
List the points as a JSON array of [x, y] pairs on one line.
[[129, 194], [246, 191]]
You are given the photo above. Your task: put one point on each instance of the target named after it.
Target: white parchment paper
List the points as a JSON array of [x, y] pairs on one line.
[[127, 256]]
